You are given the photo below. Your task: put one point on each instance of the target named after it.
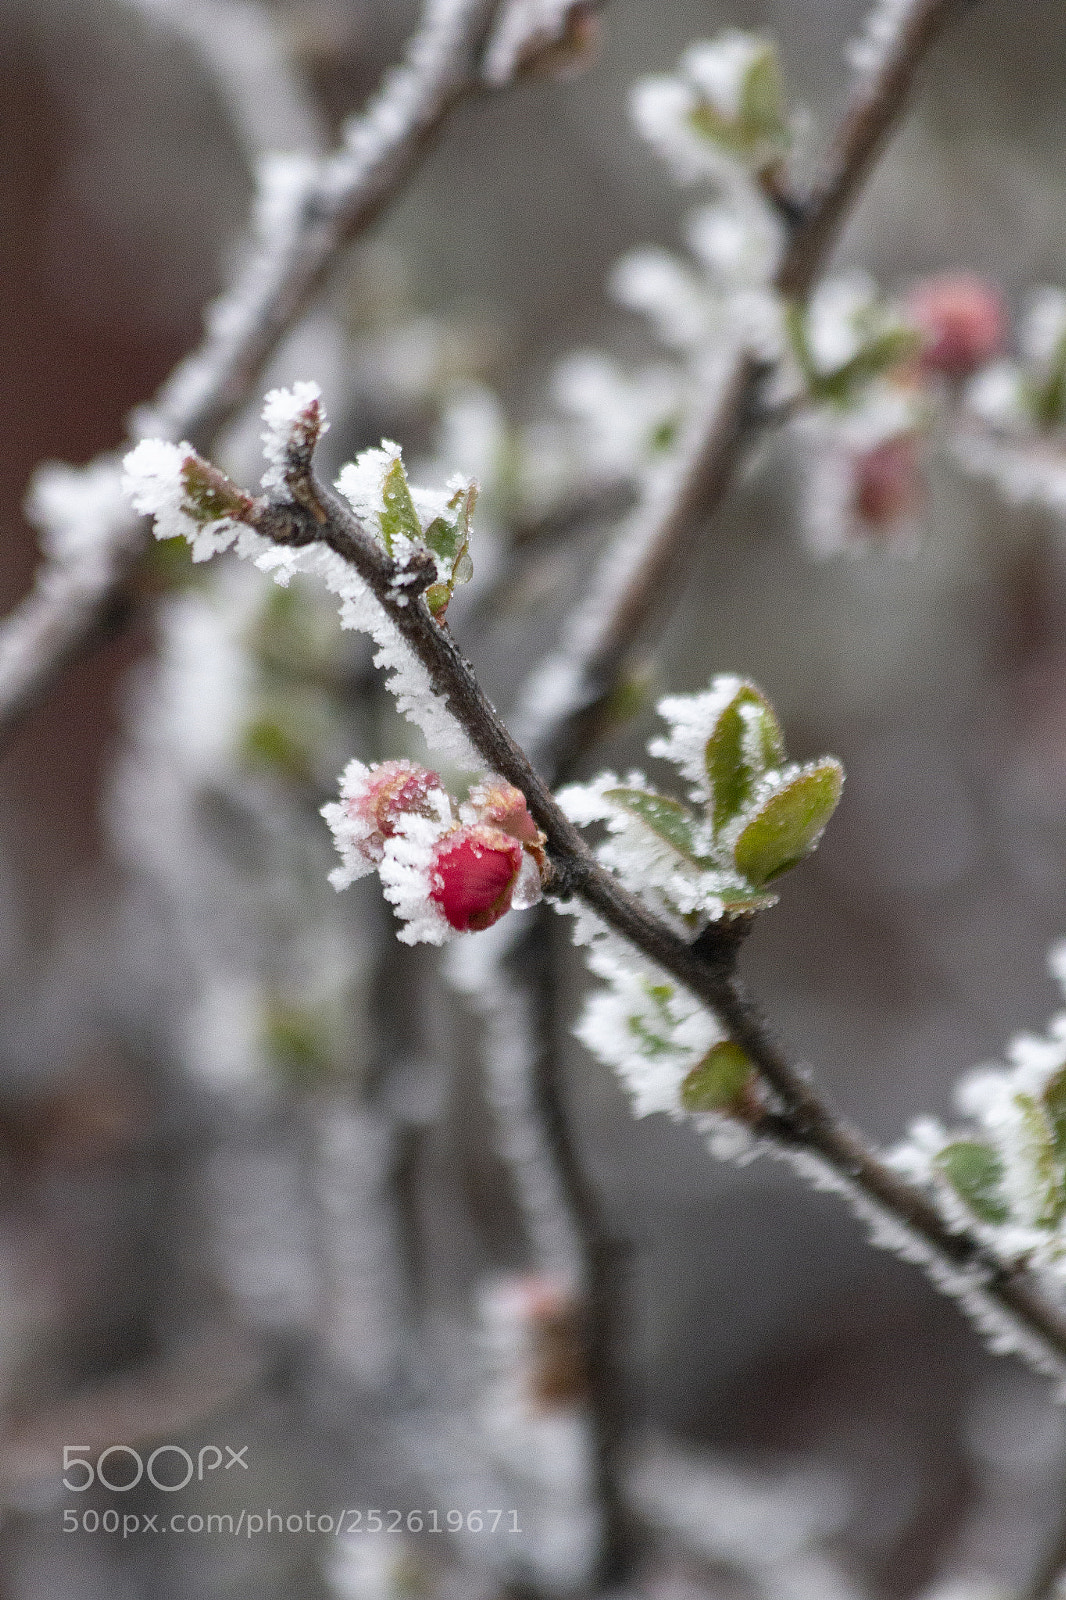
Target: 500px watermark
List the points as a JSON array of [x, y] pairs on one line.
[[169, 1467], [245, 1524]]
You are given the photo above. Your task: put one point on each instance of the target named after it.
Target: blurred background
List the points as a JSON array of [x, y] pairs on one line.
[[189, 1255]]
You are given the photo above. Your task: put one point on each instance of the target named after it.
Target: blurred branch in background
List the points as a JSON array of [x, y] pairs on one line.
[[564, 701], [307, 210]]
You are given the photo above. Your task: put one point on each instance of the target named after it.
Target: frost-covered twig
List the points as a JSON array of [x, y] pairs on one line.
[[564, 698], [300, 511], [879, 97], [309, 210]]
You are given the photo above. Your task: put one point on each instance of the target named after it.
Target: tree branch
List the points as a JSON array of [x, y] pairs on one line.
[[799, 1123], [561, 709], [341, 195]]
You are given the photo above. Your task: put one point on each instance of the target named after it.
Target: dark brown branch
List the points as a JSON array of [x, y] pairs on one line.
[[604, 1259]]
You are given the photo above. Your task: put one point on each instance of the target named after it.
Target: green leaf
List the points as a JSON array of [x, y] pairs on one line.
[[740, 902], [788, 825], [975, 1172], [796, 333], [762, 100], [631, 694], [399, 517], [711, 125], [1041, 1152], [880, 352], [759, 130], [880, 349], [668, 819], [664, 434], [448, 536], [296, 1043], [1054, 1102], [208, 495], [654, 1044], [718, 1082], [1046, 400], [745, 743], [270, 741]]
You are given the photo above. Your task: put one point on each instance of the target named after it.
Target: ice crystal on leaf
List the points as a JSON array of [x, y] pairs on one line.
[[641, 1024], [1003, 1175], [750, 816], [755, 814]]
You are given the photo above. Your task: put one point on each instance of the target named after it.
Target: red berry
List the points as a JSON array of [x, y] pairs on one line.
[[963, 322], [473, 876]]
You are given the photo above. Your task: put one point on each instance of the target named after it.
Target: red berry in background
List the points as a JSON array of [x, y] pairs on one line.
[[888, 487], [391, 790], [473, 876], [963, 321]]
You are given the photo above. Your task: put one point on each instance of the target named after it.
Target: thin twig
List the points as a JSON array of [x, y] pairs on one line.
[[604, 1264], [800, 1123], [343, 194], [561, 709]]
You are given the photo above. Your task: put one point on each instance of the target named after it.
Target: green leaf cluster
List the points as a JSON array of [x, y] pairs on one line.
[[761, 817], [974, 1168], [447, 536]]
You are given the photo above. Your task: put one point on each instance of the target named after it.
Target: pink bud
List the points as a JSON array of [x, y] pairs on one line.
[[963, 322], [390, 791], [887, 486], [473, 876], [499, 804]]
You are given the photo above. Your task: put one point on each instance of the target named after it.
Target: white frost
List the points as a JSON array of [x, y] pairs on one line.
[[282, 410]]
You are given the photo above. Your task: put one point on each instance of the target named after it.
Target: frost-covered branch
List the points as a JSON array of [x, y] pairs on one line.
[[760, 815], [565, 696], [308, 208]]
